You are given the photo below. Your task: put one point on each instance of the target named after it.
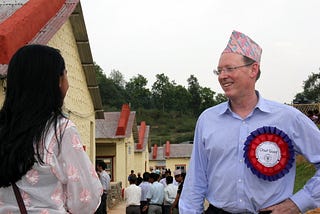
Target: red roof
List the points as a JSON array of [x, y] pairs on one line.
[[30, 21]]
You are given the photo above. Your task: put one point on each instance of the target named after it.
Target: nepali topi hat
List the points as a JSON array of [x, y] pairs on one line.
[[242, 44]]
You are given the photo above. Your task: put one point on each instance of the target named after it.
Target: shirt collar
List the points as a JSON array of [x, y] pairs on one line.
[[261, 105]]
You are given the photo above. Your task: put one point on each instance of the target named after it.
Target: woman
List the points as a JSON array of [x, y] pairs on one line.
[[40, 149]]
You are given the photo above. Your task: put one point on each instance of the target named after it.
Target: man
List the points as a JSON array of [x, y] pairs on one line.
[[155, 195], [170, 192], [179, 178], [243, 159], [105, 181], [132, 195], [131, 174], [139, 179], [145, 186]]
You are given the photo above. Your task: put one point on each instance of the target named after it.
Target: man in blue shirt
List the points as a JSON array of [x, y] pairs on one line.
[[155, 195], [243, 159]]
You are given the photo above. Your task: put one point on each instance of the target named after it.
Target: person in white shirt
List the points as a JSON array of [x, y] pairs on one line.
[[132, 195], [170, 192]]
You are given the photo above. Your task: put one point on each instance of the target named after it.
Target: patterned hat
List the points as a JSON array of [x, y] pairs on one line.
[[177, 172], [241, 44]]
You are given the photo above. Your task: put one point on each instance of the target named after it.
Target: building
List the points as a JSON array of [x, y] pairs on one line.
[[59, 24], [170, 156], [122, 144]]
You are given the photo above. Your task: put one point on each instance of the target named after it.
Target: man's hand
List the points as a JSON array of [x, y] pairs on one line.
[[285, 207]]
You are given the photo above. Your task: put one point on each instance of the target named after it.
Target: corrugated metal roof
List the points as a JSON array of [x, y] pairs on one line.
[[8, 7], [176, 151], [180, 150], [106, 128]]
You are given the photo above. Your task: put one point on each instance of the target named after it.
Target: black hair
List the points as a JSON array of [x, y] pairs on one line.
[[146, 176], [102, 164], [169, 179], [154, 176], [32, 104], [248, 60], [132, 179]]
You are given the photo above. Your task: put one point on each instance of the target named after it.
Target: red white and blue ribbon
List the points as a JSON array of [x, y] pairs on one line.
[[269, 153]]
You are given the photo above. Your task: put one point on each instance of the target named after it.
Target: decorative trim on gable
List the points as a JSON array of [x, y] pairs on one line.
[[155, 151], [142, 131], [24, 24], [167, 148], [123, 120]]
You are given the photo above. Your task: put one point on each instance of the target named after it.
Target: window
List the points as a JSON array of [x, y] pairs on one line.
[[182, 167]]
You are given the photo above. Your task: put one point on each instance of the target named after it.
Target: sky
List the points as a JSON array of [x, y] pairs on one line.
[[180, 38]]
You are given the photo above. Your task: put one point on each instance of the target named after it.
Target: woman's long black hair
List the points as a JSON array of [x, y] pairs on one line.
[[33, 102]]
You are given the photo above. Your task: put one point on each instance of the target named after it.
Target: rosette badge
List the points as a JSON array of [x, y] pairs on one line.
[[269, 153]]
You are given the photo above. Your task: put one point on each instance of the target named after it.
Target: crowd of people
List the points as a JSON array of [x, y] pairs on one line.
[[314, 116], [154, 192]]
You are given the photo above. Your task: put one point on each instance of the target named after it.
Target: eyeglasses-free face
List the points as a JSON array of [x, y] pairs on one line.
[[218, 71]]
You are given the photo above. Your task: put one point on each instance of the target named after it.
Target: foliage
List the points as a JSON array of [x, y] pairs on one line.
[[172, 126], [165, 94], [137, 92], [311, 90], [170, 109]]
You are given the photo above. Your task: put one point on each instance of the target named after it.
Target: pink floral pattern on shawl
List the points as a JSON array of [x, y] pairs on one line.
[[65, 183]]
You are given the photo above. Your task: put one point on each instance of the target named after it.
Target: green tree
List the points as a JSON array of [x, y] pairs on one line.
[[112, 92], [207, 98], [102, 83], [311, 90], [181, 98], [194, 90], [118, 78], [162, 92], [220, 98], [139, 96]]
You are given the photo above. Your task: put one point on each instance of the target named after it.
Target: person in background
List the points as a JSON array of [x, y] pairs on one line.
[[40, 148], [170, 193], [131, 174], [139, 179], [155, 195], [179, 177], [145, 186], [163, 180], [105, 181], [132, 195], [243, 158]]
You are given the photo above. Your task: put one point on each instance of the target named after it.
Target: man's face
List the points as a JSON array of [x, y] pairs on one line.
[[99, 168], [178, 178], [238, 82]]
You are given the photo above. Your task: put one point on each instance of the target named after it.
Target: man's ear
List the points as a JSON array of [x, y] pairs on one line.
[[255, 70]]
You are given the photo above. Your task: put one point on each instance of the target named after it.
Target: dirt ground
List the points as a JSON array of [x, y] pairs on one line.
[[315, 211]]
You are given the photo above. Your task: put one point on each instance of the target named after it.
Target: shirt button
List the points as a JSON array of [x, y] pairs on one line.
[[241, 160], [240, 200], [239, 180]]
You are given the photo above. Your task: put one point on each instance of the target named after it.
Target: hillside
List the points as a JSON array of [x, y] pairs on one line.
[[173, 126]]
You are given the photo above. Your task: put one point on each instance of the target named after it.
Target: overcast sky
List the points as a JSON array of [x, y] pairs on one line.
[[186, 37]]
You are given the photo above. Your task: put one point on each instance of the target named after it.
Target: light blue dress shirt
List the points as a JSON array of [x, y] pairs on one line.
[[145, 186], [156, 193], [217, 169]]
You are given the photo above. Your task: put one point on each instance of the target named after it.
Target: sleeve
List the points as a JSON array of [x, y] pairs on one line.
[[166, 195], [150, 192], [195, 184], [81, 184], [306, 136]]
